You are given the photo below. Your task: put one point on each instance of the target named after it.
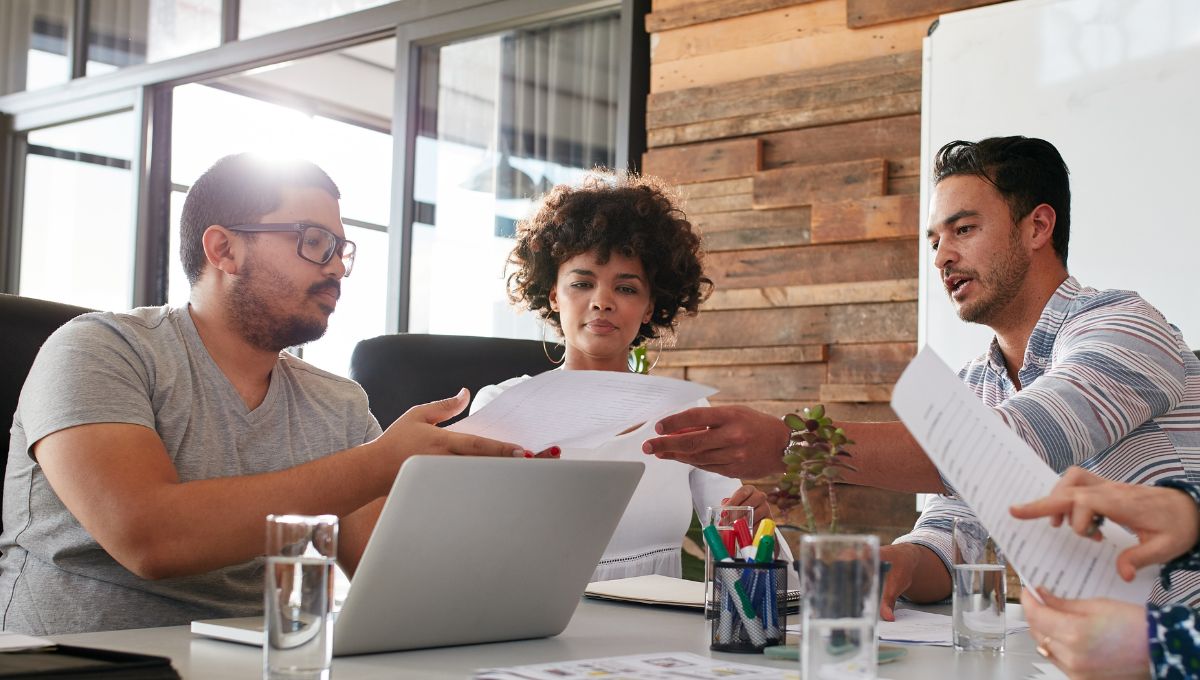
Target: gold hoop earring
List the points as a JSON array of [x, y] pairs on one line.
[[546, 349], [657, 355], [637, 358]]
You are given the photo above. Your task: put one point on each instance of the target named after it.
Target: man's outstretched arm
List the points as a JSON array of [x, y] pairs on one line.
[[118, 480], [737, 441]]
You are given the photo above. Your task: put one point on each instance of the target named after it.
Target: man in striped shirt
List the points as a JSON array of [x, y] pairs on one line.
[[1092, 378]]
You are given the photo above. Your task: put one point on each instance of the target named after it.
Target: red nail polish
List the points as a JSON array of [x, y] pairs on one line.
[[528, 454], [555, 451]]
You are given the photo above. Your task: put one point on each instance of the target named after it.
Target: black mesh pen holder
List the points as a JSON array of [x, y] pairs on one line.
[[748, 606]]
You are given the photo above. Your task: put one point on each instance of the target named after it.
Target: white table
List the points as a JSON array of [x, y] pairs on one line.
[[598, 629]]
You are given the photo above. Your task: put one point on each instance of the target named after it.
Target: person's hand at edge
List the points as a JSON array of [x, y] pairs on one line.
[[899, 578], [1165, 520], [1093, 638]]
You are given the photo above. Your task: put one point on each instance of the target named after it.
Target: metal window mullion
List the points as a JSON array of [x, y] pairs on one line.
[[12, 190], [151, 169], [231, 17], [78, 47], [633, 84], [404, 138]]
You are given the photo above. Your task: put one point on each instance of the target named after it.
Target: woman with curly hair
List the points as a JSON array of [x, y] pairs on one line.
[[612, 264]]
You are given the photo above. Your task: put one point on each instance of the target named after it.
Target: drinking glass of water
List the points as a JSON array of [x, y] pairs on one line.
[[839, 579], [298, 596], [979, 589]]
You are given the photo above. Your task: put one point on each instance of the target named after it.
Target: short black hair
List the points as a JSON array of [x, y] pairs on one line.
[[1025, 170], [612, 212], [239, 189]]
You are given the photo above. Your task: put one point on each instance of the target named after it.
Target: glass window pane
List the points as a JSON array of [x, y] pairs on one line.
[[33, 52], [267, 16], [334, 109], [501, 119], [126, 32], [77, 236]]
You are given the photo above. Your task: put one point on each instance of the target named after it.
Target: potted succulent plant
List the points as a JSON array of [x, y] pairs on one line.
[[815, 457]]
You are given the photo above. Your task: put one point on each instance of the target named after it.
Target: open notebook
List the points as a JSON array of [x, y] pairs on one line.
[[665, 591]]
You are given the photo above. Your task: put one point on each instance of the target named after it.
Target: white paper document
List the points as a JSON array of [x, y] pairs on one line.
[[579, 408], [913, 626], [664, 666], [992, 469]]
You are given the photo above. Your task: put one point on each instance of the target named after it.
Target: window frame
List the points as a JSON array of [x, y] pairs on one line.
[[147, 90]]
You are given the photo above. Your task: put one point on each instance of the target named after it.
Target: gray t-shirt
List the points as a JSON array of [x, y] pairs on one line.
[[149, 367]]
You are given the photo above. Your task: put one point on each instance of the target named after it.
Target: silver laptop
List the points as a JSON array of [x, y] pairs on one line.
[[474, 550]]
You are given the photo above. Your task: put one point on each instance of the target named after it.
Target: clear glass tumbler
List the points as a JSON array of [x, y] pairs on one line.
[[298, 596], [722, 517], [979, 589], [839, 580]]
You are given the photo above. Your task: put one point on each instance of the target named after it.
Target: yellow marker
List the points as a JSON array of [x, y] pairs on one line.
[[765, 528]]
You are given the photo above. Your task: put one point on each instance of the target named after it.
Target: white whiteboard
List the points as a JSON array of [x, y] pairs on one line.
[[1115, 85]]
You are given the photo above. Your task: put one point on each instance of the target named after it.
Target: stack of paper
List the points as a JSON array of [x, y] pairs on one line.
[[913, 627]]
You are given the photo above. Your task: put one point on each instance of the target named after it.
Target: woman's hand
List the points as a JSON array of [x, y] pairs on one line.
[[755, 498], [1165, 520], [1095, 638]]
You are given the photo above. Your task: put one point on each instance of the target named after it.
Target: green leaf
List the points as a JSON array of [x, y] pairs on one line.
[[794, 421]]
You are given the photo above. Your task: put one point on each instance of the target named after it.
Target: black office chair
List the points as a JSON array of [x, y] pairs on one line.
[[26, 323], [403, 370]]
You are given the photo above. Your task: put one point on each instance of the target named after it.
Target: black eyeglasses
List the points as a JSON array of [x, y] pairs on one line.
[[315, 244]]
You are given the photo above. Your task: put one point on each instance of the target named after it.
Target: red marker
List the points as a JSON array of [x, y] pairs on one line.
[[728, 540], [742, 531]]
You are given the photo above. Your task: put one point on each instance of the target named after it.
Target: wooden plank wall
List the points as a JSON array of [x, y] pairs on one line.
[[792, 130]]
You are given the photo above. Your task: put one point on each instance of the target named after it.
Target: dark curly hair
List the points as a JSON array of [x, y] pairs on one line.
[[1027, 172], [610, 212]]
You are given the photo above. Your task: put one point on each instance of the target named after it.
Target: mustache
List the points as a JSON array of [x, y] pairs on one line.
[[332, 284], [969, 273]]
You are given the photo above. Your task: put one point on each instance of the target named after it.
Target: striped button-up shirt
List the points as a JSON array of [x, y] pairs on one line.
[[1108, 385]]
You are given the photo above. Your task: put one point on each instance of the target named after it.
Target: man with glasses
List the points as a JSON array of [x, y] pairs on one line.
[[148, 446]]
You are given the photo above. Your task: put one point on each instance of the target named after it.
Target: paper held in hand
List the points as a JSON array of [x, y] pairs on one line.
[[579, 408], [992, 469]]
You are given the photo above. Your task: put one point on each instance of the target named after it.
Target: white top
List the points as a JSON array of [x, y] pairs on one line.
[[650, 533]]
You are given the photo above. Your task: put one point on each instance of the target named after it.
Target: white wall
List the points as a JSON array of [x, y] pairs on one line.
[[1115, 85]]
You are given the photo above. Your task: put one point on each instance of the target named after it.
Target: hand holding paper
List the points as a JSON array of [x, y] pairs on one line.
[[579, 408], [1165, 519], [992, 468]]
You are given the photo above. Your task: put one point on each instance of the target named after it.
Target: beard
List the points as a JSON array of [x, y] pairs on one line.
[[253, 307], [1000, 285]]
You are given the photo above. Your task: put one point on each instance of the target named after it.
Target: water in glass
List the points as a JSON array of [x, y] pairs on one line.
[[299, 630], [979, 607]]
